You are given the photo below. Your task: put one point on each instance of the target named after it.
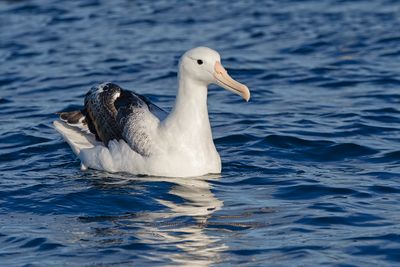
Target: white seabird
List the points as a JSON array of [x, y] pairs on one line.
[[121, 131]]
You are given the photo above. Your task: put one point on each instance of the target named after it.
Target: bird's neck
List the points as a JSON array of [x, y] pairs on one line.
[[190, 113]]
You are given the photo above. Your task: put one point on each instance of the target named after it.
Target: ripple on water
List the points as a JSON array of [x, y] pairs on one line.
[[310, 164]]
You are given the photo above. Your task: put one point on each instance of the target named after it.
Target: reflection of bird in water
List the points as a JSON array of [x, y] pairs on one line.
[[199, 199], [179, 228], [197, 248]]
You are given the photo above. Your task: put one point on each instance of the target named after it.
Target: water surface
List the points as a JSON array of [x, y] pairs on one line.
[[311, 165]]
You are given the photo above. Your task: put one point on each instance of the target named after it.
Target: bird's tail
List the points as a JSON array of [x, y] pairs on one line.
[[75, 130]]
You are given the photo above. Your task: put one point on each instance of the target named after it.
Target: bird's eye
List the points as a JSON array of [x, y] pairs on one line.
[[199, 61]]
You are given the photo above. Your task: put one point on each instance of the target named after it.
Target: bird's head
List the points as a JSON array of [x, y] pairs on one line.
[[203, 65]]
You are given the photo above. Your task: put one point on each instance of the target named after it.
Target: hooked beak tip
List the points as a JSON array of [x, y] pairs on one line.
[[247, 97]]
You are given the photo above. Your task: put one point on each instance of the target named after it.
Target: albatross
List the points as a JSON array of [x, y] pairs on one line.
[[119, 130]]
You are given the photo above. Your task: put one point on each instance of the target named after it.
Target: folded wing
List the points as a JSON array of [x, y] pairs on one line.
[[111, 112]]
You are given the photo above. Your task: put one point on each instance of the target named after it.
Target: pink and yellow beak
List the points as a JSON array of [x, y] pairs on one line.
[[224, 80]]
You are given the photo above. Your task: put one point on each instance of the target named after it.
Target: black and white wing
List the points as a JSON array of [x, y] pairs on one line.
[[111, 112]]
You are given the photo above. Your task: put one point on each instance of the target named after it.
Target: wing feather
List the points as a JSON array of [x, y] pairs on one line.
[[115, 113], [99, 105]]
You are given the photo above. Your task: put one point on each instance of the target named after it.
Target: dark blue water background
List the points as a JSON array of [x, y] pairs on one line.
[[311, 165]]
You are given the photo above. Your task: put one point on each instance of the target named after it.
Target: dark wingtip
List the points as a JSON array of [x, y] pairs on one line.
[[71, 117]]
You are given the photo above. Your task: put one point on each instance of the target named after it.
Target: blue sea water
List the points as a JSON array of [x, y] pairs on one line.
[[311, 165]]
